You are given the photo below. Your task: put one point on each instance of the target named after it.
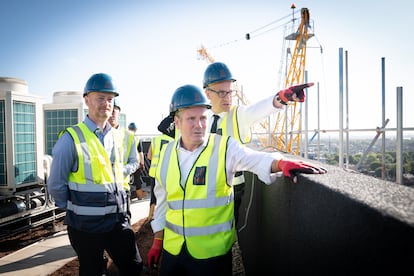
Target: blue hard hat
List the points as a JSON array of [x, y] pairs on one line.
[[100, 83], [132, 126], [217, 72], [188, 96]]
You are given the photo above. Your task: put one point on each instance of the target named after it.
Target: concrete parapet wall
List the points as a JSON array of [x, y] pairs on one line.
[[341, 223]]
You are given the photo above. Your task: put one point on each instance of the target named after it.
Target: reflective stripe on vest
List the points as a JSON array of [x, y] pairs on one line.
[[229, 126], [156, 146], [201, 214], [94, 188]]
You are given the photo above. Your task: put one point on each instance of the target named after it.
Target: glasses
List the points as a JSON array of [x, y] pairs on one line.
[[222, 93]]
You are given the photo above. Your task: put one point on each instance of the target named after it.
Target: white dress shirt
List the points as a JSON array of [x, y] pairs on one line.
[[238, 158], [248, 115]]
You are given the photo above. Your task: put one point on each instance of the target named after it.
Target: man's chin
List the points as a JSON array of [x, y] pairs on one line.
[[226, 108], [198, 137]]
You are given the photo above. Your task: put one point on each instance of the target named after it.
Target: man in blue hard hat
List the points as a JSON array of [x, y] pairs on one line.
[[87, 179], [193, 223], [236, 121]]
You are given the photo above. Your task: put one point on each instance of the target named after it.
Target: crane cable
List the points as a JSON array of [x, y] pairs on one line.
[[254, 33], [324, 82], [249, 35]]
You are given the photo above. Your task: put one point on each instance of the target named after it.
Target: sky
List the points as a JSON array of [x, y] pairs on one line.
[[149, 47]]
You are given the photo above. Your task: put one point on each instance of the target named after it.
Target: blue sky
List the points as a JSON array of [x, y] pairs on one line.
[[150, 48]]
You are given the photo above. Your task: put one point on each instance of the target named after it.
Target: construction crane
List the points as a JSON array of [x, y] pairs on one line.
[[203, 54], [286, 132]]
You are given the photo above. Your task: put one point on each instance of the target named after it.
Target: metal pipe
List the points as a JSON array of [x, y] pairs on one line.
[[346, 112], [399, 150], [383, 117], [337, 130], [319, 128], [341, 115], [305, 145], [371, 145]]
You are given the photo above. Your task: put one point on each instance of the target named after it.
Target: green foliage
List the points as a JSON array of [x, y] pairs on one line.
[[354, 159], [373, 160], [374, 165], [378, 172]]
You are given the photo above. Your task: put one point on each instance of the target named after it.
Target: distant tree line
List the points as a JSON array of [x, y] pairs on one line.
[[372, 163]]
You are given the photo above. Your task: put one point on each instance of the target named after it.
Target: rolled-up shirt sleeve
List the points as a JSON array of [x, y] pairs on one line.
[[247, 115]]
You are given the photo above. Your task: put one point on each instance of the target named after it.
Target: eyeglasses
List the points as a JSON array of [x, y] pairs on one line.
[[222, 93]]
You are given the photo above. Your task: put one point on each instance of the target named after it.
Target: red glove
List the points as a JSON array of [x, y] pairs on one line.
[[294, 93], [291, 168], [154, 254]]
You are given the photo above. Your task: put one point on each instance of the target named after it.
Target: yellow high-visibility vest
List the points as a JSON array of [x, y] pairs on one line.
[[96, 177], [229, 127], [202, 213], [156, 145]]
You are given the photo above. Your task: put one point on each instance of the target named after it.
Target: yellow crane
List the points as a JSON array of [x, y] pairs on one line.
[[284, 131], [203, 54], [285, 135]]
